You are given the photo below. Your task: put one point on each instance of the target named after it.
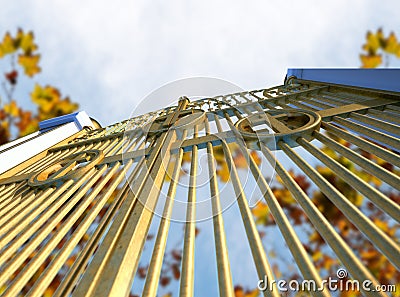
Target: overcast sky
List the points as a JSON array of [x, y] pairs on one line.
[[108, 55]]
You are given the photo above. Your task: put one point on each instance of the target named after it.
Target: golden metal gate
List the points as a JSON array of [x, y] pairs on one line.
[[89, 201]]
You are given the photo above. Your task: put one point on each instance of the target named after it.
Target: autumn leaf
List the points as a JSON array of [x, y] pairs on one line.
[[261, 212], [373, 42], [223, 172], [370, 61], [26, 42], [65, 106], [7, 46], [12, 77], [165, 280], [240, 292], [30, 64], [4, 132], [45, 97], [11, 108], [376, 44]]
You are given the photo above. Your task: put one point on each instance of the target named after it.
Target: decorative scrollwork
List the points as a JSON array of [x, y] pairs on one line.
[[71, 167], [280, 124]]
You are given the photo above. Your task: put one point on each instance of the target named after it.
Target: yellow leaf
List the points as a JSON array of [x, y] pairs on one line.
[[284, 196], [252, 293], [2, 289], [223, 172], [46, 97], [26, 42], [317, 255], [325, 171], [261, 209], [31, 127], [7, 46], [30, 64], [187, 157], [391, 44], [370, 61], [12, 108], [65, 106], [219, 154], [373, 42], [260, 212]]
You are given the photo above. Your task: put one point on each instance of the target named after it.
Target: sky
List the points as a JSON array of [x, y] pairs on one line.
[[109, 55]]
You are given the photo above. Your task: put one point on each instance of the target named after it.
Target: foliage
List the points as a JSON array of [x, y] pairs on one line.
[[378, 48], [21, 50]]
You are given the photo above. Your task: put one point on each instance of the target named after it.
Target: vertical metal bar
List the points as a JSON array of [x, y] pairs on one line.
[[154, 271], [186, 288], [367, 146], [56, 263], [377, 197], [363, 223], [293, 242], [70, 279], [370, 133], [323, 226], [384, 115], [44, 231], [378, 171], [391, 128], [296, 248], [221, 250], [118, 255], [256, 246]]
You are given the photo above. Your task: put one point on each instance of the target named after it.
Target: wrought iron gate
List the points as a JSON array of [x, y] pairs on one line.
[[90, 201]]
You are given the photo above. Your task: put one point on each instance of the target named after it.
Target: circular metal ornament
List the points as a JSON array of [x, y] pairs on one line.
[[282, 125], [71, 167]]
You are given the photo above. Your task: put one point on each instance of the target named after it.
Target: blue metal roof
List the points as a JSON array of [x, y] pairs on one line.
[[381, 79]]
